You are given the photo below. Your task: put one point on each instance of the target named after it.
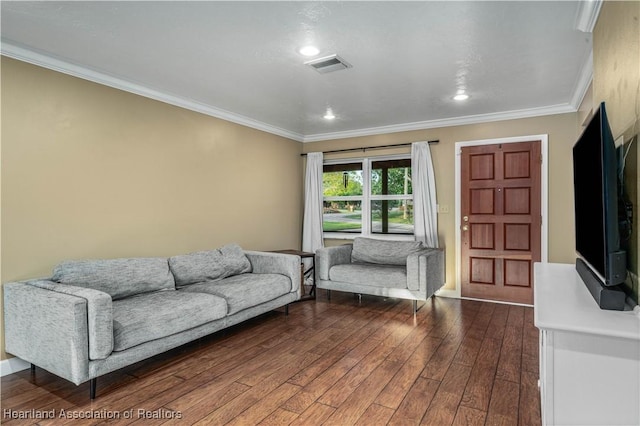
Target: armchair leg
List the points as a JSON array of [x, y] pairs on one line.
[[328, 294], [92, 388]]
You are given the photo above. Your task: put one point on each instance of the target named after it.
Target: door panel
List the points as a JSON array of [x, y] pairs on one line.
[[501, 220]]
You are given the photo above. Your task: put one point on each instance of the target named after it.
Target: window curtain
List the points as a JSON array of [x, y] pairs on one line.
[[425, 209], [312, 219]]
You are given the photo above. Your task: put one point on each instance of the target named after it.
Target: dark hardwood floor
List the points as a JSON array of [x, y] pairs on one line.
[[338, 362]]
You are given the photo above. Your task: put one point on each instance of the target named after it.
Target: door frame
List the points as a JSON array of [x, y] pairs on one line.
[[544, 192]]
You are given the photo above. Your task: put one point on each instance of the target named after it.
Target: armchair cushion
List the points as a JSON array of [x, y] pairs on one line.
[[390, 276], [369, 250]]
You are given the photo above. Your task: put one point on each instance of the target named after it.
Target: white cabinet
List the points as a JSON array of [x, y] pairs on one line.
[[589, 358]]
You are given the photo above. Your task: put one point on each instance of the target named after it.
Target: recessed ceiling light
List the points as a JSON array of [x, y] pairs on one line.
[[309, 51], [461, 97], [329, 115]]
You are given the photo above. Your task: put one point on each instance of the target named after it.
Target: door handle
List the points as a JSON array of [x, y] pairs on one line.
[[465, 228]]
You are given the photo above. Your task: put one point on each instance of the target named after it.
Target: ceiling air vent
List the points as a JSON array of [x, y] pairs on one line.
[[328, 64]]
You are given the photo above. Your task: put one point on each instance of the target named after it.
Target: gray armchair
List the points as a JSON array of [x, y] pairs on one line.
[[398, 269]]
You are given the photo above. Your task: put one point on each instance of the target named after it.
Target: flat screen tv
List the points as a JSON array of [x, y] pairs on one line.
[[595, 177]]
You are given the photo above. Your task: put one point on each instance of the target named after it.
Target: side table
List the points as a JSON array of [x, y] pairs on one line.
[[308, 272]]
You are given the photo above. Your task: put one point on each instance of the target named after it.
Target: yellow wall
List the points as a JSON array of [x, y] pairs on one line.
[[562, 131], [616, 65], [93, 172]]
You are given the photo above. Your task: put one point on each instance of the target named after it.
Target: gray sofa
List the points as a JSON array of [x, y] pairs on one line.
[[96, 316], [397, 269]]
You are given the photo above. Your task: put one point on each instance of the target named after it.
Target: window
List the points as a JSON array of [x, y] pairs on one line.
[[368, 196], [391, 197], [342, 189]]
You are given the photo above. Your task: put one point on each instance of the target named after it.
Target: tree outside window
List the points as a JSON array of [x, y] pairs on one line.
[[384, 198]]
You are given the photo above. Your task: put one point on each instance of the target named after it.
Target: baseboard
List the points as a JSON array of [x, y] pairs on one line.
[[12, 365], [526, 305], [445, 292]]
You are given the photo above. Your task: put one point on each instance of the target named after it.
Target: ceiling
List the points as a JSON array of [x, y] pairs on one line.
[[239, 60]]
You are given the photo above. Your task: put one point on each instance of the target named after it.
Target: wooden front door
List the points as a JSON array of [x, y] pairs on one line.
[[501, 220]]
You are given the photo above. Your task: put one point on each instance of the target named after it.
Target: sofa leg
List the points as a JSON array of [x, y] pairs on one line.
[[328, 294], [92, 388], [415, 306], [286, 309], [33, 369]]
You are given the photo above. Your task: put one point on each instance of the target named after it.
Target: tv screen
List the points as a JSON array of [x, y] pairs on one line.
[[596, 200]]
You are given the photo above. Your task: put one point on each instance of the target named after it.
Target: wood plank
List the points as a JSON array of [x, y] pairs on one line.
[[348, 383], [376, 415], [439, 363], [498, 322], [530, 343], [279, 417], [121, 400], [316, 414], [444, 404], [477, 393], [265, 406], [396, 390], [194, 412], [468, 350], [321, 384], [504, 405], [529, 407], [510, 361], [229, 411], [359, 400], [442, 410], [416, 402], [469, 417]]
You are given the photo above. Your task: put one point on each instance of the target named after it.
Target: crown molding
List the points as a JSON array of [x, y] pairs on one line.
[[579, 92], [587, 15], [46, 61], [582, 85], [446, 122]]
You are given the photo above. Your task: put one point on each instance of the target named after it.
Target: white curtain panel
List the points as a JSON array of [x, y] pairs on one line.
[[312, 220], [425, 208]]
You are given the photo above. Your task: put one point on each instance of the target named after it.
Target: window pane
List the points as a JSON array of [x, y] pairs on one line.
[[391, 177], [342, 179], [342, 216], [392, 217]]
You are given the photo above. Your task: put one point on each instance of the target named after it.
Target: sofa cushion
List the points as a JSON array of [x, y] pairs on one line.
[[235, 261], [383, 252], [152, 316], [244, 291], [209, 265], [370, 274], [117, 277]]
